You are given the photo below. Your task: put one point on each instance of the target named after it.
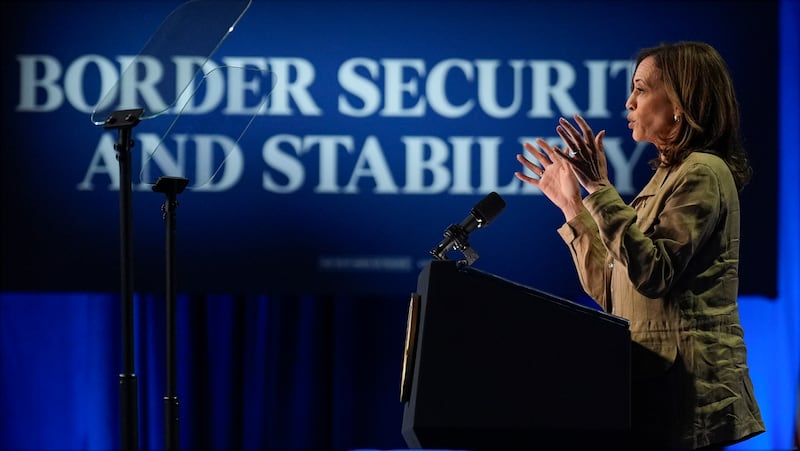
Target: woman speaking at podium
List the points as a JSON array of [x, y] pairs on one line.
[[668, 261]]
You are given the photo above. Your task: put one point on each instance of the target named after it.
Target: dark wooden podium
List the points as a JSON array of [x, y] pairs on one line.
[[491, 364]]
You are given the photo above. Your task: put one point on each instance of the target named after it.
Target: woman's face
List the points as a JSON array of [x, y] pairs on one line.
[[651, 113]]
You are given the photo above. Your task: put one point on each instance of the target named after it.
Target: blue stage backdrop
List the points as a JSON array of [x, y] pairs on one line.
[[386, 123]]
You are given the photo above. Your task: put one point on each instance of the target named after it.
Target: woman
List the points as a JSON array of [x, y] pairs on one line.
[[668, 261]]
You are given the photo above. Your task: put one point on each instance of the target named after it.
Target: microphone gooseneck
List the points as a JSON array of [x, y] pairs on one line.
[[456, 236]]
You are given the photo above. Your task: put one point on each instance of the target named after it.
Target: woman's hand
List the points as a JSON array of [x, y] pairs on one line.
[[587, 155], [554, 178]]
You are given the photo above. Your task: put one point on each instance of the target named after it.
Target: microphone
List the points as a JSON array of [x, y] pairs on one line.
[[456, 236]]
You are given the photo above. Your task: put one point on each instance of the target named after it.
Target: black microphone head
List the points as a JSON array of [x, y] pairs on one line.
[[488, 209]]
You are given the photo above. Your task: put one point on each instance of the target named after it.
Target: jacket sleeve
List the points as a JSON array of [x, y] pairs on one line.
[[656, 257], [589, 255]]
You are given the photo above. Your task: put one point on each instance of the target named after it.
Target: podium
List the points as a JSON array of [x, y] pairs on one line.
[[492, 364]]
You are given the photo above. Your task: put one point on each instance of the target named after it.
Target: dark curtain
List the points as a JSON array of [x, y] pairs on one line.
[[254, 371]]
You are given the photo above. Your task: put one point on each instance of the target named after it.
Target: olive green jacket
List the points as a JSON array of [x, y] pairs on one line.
[[668, 263]]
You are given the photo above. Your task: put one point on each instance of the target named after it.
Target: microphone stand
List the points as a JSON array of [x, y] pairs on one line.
[[171, 187], [124, 121], [455, 237]]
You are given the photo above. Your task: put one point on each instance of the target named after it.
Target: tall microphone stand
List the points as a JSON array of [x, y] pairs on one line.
[[171, 187], [124, 121]]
